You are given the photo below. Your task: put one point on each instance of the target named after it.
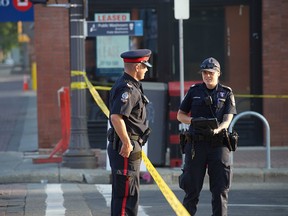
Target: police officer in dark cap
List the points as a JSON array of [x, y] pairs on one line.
[[209, 108], [129, 132]]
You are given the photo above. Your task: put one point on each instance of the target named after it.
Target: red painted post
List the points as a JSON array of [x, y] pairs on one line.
[[56, 155]]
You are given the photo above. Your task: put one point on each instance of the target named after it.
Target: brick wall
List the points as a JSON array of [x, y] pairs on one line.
[[53, 69], [275, 64]]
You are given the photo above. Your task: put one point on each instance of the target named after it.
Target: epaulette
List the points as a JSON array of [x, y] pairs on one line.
[[125, 86], [195, 85], [226, 87], [129, 85]]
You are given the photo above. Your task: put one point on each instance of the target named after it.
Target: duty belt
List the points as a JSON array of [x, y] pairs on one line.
[[141, 139], [136, 138], [199, 138]]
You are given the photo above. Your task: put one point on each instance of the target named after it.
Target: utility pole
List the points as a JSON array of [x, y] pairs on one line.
[[79, 154], [181, 11]]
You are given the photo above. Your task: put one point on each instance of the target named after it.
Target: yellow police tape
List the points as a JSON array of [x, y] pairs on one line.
[[105, 88], [78, 85], [83, 85], [260, 96], [92, 90], [166, 191]]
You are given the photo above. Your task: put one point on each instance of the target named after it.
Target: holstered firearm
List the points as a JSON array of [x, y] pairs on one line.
[[182, 141], [113, 137], [230, 139], [143, 139], [110, 135], [116, 142], [226, 139], [185, 138]]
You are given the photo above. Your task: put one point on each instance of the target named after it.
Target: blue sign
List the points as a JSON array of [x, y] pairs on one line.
[[131, 28], [16, 10]]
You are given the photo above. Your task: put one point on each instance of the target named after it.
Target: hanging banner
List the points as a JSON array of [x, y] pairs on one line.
[[16, 10]]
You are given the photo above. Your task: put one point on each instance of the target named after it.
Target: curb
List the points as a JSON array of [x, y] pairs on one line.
[[102, 176], [18, 168]]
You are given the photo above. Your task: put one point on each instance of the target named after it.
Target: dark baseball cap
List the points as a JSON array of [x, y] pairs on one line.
[[137, 56], [210, 64]]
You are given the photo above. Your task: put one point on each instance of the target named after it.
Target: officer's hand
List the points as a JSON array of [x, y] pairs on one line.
[[126, 150], [217, 131]]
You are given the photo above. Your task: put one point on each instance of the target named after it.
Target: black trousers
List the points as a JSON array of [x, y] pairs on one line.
[[125, 181], [217, 161]]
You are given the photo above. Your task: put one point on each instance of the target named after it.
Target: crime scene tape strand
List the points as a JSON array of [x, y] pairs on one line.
[[260, 96], [93, 92], [166, 191]]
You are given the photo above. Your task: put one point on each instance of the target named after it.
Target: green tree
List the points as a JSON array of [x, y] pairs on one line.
[[8, 36]]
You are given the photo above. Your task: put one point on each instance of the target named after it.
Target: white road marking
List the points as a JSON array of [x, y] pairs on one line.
[[106, 191], [54, 200], [258, 205]]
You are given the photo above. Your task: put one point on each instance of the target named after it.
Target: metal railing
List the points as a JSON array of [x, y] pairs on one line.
[[267, 132]]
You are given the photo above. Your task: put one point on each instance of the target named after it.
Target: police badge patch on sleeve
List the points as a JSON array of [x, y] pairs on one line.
[[124, 97], [232, 100]]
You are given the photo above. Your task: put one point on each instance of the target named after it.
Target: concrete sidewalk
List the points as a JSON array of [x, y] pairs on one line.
[[19, 142]]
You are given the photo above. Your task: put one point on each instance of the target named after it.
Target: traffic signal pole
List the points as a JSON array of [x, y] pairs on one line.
[[78, 154]]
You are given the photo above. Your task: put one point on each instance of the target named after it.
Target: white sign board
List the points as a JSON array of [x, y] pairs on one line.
[[181, 9], [109, 48]]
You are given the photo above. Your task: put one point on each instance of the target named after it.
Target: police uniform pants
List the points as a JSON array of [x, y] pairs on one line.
[[217, 161], [125, 181]]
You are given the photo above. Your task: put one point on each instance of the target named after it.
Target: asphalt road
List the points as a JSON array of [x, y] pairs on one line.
[[91, 200]]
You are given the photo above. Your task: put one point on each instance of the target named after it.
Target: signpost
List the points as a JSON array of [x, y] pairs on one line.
[[16, 10], [181, 11], [130, 28]]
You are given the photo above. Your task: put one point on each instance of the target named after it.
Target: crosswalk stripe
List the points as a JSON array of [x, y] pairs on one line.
[[106, 190], [54, 200]]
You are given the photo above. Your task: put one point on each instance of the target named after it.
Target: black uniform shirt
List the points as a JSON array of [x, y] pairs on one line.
[[196, 101], [127, 99]]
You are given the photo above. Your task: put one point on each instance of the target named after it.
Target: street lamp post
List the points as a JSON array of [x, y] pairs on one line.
[[78, 154]]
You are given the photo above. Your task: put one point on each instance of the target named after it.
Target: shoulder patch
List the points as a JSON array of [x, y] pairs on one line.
[[124, 97], [232, 99]]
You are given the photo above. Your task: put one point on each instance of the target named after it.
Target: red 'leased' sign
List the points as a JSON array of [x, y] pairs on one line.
[[111, 17]]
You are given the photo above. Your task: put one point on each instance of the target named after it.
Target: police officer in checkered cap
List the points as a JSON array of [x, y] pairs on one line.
[[128, 133], [205, 148]]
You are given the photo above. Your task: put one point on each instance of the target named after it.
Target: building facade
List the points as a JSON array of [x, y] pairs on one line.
[[249, 38]]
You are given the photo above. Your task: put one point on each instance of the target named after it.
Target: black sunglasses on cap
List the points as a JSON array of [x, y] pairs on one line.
[[208, 66]]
